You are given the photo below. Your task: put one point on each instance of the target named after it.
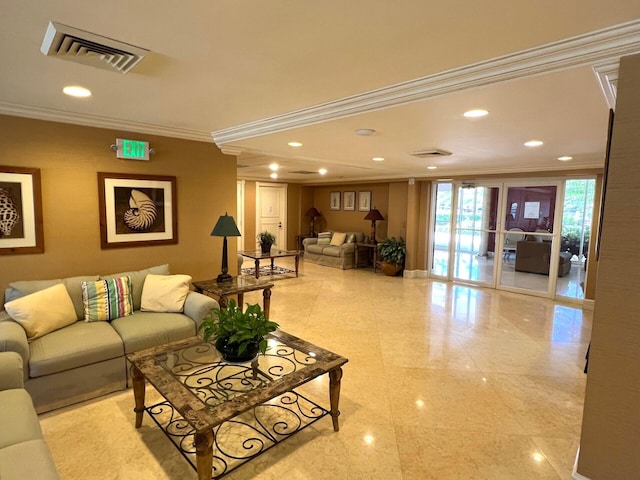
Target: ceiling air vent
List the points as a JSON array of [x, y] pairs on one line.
[[431, 152], [304, 172], [68, 43]]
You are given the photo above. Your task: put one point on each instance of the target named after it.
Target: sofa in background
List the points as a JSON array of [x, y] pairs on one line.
[[23, 452], [535, 257], [84, 360], [333, 249]]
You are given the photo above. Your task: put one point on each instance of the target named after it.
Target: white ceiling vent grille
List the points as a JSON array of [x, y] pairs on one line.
[[68, 43], [304, 172], [431, 152]]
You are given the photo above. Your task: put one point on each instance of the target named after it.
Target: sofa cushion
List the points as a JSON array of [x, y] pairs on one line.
[[331, 251], [164, 293], [324, 238], [107, 299], [338, 238], [27, 460], [149, 329], [43, 311], [315, 248], [137, 280], [82, 343], [18, 418]]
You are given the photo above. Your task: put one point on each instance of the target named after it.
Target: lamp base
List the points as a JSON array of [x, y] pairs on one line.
[[224, 278]]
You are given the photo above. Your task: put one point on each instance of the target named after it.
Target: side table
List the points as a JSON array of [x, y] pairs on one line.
[[371, 249], [237, 286]]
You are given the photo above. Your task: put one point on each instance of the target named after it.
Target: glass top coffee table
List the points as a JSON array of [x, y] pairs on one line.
[[221, 414], [257, 255]]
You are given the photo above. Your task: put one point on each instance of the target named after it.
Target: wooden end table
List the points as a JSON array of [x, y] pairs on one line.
[[237, 286], [370, 247]]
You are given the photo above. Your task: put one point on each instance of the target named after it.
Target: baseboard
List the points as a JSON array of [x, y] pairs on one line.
[[588, 304], [415, 274], [575, 475]]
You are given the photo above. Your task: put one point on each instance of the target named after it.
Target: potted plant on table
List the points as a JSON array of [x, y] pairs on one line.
[[392, 253], [239, 335], [266, 239]]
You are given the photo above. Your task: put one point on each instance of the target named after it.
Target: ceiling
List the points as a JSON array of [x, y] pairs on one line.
[[255, 75]]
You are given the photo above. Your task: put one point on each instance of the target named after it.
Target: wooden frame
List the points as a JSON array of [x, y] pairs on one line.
[[334, 201], [364, 201], [21, 229], [349, 201], [137, 210]]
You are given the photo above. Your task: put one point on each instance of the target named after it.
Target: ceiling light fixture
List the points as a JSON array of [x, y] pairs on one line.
[[533, 143], [294, 144], [322, 171], [378, 159], [274, 175], [431, 167], [365, 132], [565, 158], [274, 167], [76, 91], [476, 113]]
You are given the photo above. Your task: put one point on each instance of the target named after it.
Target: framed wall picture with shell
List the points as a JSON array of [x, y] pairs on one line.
[[137, 210], [20, 211]]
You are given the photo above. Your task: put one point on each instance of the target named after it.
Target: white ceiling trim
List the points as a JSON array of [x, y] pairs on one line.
[[607, 73], [101, 122], [608, 44]]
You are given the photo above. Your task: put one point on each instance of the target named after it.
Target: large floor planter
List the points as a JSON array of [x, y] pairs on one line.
[[391, 269]]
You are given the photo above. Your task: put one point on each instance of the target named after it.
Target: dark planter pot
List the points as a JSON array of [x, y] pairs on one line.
[[391, 269], [266, 247], [229, 350]]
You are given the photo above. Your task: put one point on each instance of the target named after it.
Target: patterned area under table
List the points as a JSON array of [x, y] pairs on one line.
[[221, 414]]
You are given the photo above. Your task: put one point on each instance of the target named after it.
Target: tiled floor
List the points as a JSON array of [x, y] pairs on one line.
[[443, 382]]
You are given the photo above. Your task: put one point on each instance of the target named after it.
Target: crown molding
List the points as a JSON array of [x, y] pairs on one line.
[[607, 74], [98, 121], [604, 45]]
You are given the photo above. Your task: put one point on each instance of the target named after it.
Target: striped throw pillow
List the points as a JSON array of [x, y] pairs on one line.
[[107, 299], [324, 238]]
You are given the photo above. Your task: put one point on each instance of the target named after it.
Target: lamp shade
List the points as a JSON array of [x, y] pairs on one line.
[[225, 227], [374, 215], [312, 212]]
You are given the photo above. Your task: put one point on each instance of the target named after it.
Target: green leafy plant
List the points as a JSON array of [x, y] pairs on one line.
[[392, 250], [239, 327], [266, 237]]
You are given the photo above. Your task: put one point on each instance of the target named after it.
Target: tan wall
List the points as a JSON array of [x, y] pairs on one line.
[[397, 210], [611, 419], [69, 158]]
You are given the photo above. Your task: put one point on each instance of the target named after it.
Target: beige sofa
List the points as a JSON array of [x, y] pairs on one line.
[[87, 359], [339, 255]]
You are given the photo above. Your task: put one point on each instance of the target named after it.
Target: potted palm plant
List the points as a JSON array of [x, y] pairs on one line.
[[266, 239], [239, 335], [392, 253]]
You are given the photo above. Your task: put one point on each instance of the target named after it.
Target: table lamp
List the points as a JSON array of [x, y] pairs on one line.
[[313, 213], [374, 215], [225, 227]]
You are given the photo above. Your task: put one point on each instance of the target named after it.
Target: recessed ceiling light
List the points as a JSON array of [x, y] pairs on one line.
[[533, 143], [476, 113], [274, 167], [378, 159], [322, 171], [565, 158], [294, 144], [76, 91], [431, 167], [274, 175], [365, 132]]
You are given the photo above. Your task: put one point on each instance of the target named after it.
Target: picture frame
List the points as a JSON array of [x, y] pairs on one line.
[[21, 225], [334, 201], [349, 201], [364, 201], [137, 210]]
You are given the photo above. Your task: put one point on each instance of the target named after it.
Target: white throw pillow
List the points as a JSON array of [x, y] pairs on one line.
[[164, 293], [338, 238], [43, 311]]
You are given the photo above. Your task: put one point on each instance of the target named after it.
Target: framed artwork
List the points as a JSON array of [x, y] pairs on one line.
[[334, 201], [20, 211], [137, 210], [364, 201], [349, 200]]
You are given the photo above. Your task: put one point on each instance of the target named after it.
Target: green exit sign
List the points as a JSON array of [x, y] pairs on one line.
[[132, 149]]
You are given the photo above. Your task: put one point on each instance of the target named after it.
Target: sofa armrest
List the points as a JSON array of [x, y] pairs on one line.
[[309, 241], [11, 372], [348, 247], [13, 338], [197, 306]]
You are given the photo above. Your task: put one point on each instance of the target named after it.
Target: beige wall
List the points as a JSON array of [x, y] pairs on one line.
[[69, 158], [611, 420]]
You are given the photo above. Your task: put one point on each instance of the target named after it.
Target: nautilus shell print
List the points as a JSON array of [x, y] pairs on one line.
[[143, 212], [8, 213]]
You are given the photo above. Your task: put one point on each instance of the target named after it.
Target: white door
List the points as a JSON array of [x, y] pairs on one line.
[[271, 211]]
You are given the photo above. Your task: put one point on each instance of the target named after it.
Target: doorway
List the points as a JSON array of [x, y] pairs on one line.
[[271, 211]]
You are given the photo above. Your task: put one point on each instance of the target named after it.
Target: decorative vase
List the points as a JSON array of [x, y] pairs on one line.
[[391, 269], [266, 247], [229, 350]]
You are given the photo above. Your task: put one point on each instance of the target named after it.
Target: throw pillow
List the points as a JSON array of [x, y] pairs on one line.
[[351, 238], [338, 238], [137, 280], [164, 293], [324, 238], [107, 299], [43, 311]]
